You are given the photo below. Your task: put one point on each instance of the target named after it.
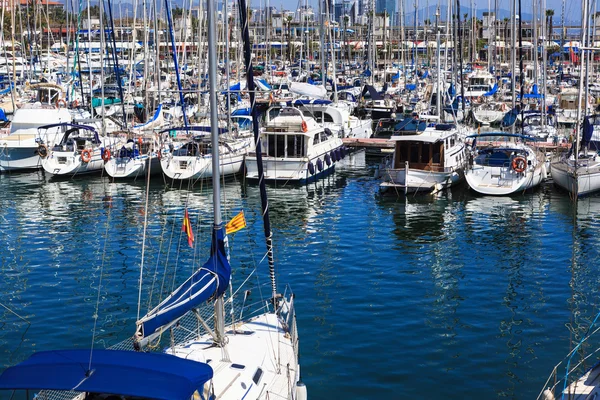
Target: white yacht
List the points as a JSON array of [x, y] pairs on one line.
[[502, 164], [193, 160], [427, 162], [19, 149], [295, 149], [80, 151], [138, 156]]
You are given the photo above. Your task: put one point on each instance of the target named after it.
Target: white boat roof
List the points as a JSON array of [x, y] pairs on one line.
[[416, 138]]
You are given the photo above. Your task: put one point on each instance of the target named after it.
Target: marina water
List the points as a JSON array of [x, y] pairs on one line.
[[456, 296]]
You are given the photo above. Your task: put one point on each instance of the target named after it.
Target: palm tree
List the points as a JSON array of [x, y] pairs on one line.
[[549, 27]]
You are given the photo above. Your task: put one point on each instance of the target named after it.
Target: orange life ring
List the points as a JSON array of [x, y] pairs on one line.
[[75, 103], [106, 155], [140, 141], [304, 126], [519, 164], [86, 156], [61, 103]]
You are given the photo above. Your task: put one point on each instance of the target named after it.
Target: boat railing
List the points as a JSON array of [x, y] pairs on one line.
[[572, 373]]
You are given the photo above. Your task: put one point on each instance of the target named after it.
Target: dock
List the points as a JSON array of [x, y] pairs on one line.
[[370, 143], [385, 144]]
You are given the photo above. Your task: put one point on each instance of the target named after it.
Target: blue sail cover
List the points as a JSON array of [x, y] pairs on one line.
[[493, 91], [510, 118], [209, 281], [588, 131], [128, 373]]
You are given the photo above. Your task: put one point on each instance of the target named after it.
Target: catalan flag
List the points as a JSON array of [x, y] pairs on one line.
[[238, 222], [187, 228]]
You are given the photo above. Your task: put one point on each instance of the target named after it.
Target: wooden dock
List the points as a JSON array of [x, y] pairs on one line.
[[371, 143], [385, 144]]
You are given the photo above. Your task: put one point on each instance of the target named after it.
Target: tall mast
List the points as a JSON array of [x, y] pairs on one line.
[[584, 10], [214, 130]]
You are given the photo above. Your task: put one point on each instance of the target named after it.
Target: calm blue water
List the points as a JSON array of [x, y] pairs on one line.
[[458, 296]]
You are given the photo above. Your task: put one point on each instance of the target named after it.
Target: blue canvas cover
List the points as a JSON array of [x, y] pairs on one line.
[[510, 118], [210, 281], [493, 91], [129, 373]]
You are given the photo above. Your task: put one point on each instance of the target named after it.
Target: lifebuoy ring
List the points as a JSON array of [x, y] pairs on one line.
[[519, 164], [75, 104], [311, 168], [61, 103], [304, 126], [319, 165], [327, 160], [86, 156], [140, 141], [42, 150], [106, 155]]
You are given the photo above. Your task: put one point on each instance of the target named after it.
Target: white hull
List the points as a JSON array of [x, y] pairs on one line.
[[487, 117], [359, 128], [500, 181], [419, 180], [69, 163], [581, 181], [294, 170], [128, 168], [200, 167], [19, 158]]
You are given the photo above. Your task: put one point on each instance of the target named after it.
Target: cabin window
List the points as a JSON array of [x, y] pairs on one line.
[[452, 141], [238, 366], [319, 116], [414, 153], [436, 157], [257, 375], [316, 139], [295, 146], [324, 136], [327, 117]]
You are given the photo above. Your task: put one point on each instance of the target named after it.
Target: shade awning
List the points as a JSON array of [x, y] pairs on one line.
[[129, 373]]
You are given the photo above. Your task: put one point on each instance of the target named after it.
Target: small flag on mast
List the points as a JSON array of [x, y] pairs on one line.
[[238, 222], [187, 228]]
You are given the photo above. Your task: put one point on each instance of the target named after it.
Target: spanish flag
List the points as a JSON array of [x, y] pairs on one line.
[[238, 222], [187, 228]]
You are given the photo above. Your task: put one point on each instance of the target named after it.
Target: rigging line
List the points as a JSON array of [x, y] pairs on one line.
[[14, 313], [95, 316], [144, 239]]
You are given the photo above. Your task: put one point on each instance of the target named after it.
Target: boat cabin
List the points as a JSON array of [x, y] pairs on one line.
[[424, 152], [290, 134]]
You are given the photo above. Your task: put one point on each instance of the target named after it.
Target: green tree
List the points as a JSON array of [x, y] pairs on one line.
[[549, 23]]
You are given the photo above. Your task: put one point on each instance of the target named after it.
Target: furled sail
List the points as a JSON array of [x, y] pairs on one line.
[[211, 280]]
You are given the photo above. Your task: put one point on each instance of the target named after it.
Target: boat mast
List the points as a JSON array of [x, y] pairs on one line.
[[438, 96], [584, 10], [259, 163], [214, 130]]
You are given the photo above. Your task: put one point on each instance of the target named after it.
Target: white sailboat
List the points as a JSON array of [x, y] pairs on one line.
[[503, 163], [579, 171], [193, 160], [79, 151]]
